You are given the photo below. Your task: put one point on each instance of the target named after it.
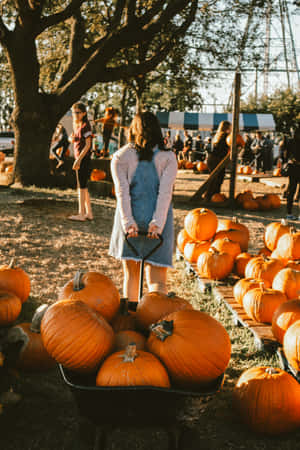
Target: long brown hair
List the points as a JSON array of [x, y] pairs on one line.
[[145, 133], [221, 131], [82, 108]]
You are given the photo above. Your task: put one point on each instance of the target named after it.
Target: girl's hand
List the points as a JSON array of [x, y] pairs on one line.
[[76, 164], [153, 231], [132, 231]]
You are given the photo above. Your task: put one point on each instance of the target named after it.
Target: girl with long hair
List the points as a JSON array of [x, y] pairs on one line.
[[82, 140], [219, 150], [144, 173]]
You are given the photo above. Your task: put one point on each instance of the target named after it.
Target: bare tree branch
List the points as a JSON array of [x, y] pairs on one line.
[[4, 32], [130, 11], [54, 19]]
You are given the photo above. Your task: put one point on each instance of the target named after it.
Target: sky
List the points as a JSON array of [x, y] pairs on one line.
[[216, 95]]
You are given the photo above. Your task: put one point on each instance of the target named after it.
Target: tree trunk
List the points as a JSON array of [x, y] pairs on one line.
[[124, 104]]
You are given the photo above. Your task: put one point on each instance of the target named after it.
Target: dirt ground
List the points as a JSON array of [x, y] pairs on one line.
[[35, 230]]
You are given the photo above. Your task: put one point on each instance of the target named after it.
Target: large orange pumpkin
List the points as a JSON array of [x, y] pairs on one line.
[[284, 316], [182, 239], [94, 289], [214, 265], [243, 286], [225, 245], [267, 399], [235, 235], [132, 368], [153, 306], [14, 279], [288, 246], [194, 347], [241, 262], [10, 308], [291, 345], [124, 319], [288, 281], [261, 303], [201, 224], [126, 337], [193, 250], [76, 336], [263, 268], [273, 232]]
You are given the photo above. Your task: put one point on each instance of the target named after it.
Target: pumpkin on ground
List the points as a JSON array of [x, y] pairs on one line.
[[126, 337], [288, 246], [250, 204], [239, 140], [182, 239], [132, 368], [288, 281], [10, 308], [193, 250], [76, 336], [201, 166], [14, 279], [291, 345], [240, 263], [277, 172], [247, 170], [194, 347], [214, 265], [233, 224], [243, 196], [153, 306], [284, 316], [268, 400], [98, 175], [263, 268], [218, 198], [125, 319], [96, 290], [201, 224], [225, 245], [264, 202], [235, 235], [275, 201], [243, 286], [273, 232], [261, 303]]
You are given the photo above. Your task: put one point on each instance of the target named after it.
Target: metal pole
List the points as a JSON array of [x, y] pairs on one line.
[[267, 48], [235, 130], [282, 11], [292, 40]]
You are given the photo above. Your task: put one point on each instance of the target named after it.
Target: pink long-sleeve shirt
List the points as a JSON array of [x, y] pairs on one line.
[[123, 167]]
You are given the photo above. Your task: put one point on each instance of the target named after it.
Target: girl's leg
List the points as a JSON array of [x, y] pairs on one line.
[[131, 271], [87, 205], [156, 278]]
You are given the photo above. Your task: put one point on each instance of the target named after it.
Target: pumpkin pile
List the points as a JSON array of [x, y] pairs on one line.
[[90, 330], [215, 247], [246, 200]]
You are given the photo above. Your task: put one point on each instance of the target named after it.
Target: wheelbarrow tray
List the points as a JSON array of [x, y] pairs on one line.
[[135, 406]]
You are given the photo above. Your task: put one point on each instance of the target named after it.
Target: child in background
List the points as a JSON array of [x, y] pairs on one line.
[[109, 123]]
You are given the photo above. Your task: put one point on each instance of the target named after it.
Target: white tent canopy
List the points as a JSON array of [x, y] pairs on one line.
[[208, 122]]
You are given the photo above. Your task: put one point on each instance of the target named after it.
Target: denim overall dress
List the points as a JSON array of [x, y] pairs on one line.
[[144, 189]]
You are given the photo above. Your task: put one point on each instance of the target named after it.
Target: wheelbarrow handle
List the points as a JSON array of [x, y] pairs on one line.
[[133, 248]]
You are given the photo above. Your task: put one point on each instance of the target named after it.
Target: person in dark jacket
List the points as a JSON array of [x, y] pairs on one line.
[[292, 170], [246, 154], [177, 145], [218, 153], [61, 141], [259, 148]]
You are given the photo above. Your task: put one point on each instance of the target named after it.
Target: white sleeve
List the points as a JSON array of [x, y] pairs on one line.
[[165, 192], [119, 174]]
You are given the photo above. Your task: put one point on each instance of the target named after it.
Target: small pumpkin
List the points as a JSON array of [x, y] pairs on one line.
[[267, 399], [193, 250], [193, 340], [250, 204], [182, 239], [155, 305], [288, 281], [261, 303], [225, 245], [218, 198], [263, 268], [275, 200], [284, 316], [10, 308], [98, 175], [264, 202], [239, 140], [188, 165], [288, 246], [14, 279], [125, 337], [76, 336], [273, 232], [96, 290], [277, 172], [240, 263], [124, 319], [201, 224], [243, 196], [235, 235], [202, 166], [233, 224], [214, 265], [247, 170], [132, 368], [243, 286]]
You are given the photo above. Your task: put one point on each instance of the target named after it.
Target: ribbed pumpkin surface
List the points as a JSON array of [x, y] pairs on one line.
[[196, 352], [126, 337], [260, 304], [288, 281], [14, 279], [264, 269], [243, 286], [284, 316], [10, 307], [75, 335], [291, 345]]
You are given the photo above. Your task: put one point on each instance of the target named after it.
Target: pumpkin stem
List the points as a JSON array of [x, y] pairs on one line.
[[171, 294], [77, 282], [124, 307], [12, 262], [35, 326], [163, 329], [272, 370], [284, 222], [130, 353]]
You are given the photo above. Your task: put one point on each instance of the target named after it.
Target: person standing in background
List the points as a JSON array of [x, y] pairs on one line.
[[82, 140], [61, 141], [178, 145], [259, 149]]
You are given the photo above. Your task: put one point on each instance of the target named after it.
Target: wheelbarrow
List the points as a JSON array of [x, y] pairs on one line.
[[133, 406]]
